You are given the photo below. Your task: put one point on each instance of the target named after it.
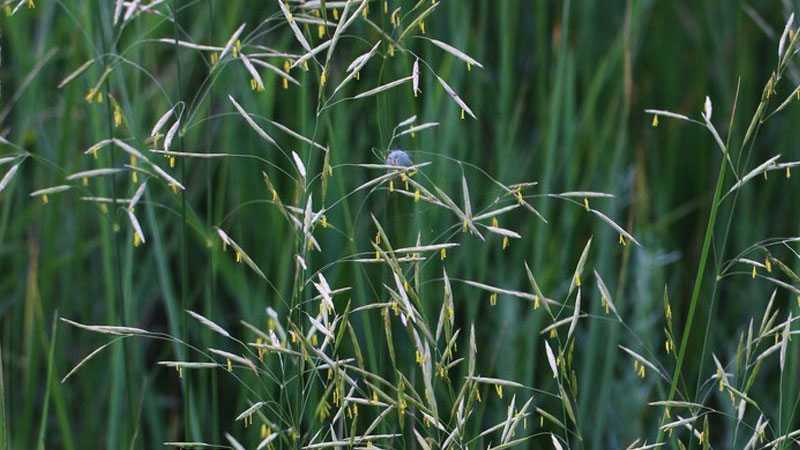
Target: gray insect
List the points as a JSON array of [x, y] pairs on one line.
[[398, 158]]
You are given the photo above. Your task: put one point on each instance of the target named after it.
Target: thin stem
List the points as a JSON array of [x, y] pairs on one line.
[[117, 252], [183, 256], [701, 269]]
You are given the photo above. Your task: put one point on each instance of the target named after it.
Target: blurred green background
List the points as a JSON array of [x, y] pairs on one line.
[[560, 101]]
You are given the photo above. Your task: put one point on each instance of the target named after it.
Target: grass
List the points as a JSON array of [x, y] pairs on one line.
[[289, 286]]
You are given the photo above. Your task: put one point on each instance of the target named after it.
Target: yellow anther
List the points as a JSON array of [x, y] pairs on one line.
[[586, 203], [321, 31], [469, 67], [754, 272], [117, 116], [464, 226], [416, 195], [493, 299], [172, 161], [499, 389], [85, 181], [536, 302], [230, 366], [44, 199], [237, 47], [443, 253], [422, 27], [462, 113], [655, 121], [622, 240], [578, 280], [214, 58], [137, 239], [335, 14], [238, 256], [505, 242], [134, 177], [324, 221]]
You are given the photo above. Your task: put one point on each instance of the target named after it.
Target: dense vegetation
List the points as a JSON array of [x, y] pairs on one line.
[[591, 195]]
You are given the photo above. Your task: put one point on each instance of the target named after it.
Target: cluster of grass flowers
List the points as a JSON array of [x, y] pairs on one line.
[[395, 365]]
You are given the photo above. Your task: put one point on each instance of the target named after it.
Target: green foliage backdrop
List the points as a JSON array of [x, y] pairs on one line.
[[560, 100]]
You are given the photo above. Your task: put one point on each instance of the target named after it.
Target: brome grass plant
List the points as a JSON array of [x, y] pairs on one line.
[[397, 224]]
